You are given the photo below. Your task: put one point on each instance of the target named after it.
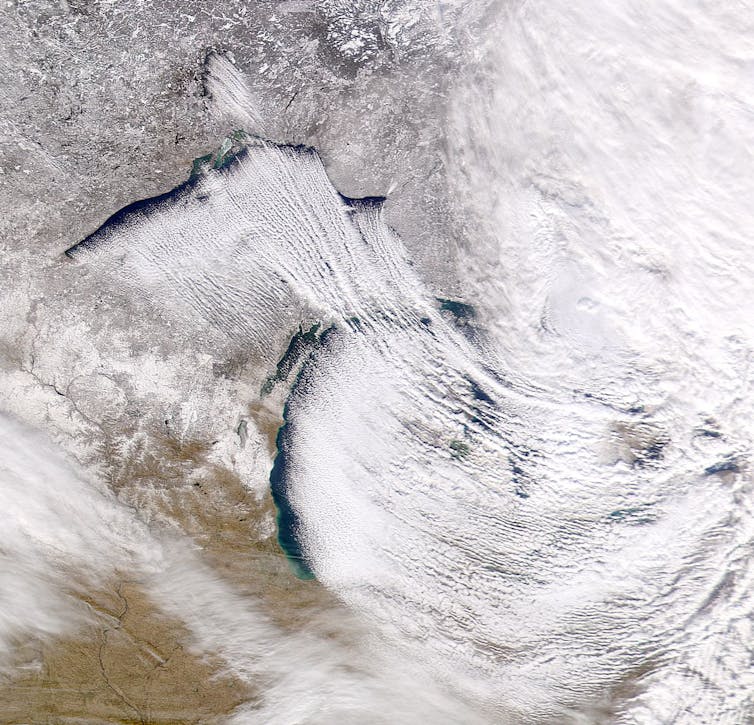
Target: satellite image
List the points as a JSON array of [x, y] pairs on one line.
[[376, 362]]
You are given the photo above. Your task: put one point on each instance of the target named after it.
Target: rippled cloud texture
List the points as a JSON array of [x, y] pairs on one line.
[[532, 496]]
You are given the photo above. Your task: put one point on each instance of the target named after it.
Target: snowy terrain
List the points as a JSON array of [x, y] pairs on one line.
[[518, 458]]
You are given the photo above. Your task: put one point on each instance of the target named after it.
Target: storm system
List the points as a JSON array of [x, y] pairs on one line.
[[376, 362]]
